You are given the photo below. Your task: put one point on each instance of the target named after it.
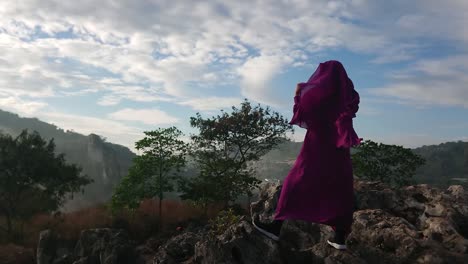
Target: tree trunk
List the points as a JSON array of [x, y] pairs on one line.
[[160, 211], [9, 225], [205, 210]]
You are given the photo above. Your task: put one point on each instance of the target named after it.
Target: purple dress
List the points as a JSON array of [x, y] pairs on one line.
[[319, 187]]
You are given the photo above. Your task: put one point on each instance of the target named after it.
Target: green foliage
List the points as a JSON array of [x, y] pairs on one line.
[[224, 147], [33, 179], [391, 164], [96, 157], [222, 222], [447, 164], [154, 171]]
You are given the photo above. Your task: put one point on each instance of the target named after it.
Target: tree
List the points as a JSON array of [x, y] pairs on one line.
[[154, 171], [33, 178], [391, 164], [224, 147]]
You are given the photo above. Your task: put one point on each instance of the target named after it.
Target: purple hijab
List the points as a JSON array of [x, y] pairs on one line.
[[330, 80]]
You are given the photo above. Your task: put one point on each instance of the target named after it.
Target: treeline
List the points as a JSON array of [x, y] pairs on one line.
[[447, 164], [35, 179]]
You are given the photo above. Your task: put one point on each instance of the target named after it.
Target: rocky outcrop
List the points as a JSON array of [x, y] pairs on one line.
[[106, 246], [95, 246], [414, 224], [52, 249], [179, 249]]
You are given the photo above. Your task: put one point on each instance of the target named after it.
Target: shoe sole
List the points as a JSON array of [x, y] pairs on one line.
[[336, 246], [266, 233]]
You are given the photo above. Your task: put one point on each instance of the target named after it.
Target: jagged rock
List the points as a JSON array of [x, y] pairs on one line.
[[178, 249], [52, 249], [239, 244], [105, 246], [264, 208], [415, 224], [46, 247]]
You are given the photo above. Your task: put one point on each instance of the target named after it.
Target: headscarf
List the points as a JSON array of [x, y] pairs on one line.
[[329, 83]]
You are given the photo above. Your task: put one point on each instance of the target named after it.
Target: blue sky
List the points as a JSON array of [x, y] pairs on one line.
[[118, 68]]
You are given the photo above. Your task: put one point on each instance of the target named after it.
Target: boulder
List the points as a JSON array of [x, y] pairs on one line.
[[53, 249], [178, 249], [105, 246]]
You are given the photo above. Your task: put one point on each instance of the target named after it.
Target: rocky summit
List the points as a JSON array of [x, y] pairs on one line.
[[414, 224]]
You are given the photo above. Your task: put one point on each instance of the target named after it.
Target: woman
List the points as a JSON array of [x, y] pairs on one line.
[[319, 187]]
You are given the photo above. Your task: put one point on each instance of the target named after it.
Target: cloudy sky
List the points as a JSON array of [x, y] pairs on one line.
[[120, 67]]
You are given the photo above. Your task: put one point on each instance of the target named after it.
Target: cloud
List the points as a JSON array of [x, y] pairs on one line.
[[116, 132], [256, 74], [145, 116], [430, 82], [133, 93], [173, 51], [211, 103], [365, 109], [147, 44], [17, 105]]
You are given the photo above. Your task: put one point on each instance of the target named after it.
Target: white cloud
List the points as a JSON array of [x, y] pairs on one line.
[[145, 116], [211, 103], [133, 93], [431, 82], [256, 74], [148, 42], [153, 51], [17, 105], [116, 132]]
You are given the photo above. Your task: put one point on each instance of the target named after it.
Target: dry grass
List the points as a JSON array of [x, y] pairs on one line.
[[142, 224], [14, 254]]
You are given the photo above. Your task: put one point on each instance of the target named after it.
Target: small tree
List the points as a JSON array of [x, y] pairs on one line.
[[33, 179], [391, 164], [224, 147], [153, 172]]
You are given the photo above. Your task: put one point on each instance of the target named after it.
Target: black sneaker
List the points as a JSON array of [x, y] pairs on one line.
[[338, 241], [271, 230]]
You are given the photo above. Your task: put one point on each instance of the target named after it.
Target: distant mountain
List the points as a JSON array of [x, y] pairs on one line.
[[446, 164], [104, 162]]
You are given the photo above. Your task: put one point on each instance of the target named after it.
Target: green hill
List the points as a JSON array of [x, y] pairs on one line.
[[446, 163], [104, 162]]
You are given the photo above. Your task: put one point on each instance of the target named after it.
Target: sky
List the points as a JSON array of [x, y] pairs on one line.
[[120, 67]]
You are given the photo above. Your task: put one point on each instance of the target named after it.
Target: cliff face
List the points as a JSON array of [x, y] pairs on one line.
[[415, 224], [104, 162]]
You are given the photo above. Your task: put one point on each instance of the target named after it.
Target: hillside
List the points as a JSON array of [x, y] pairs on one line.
[[104, 162], [446, 163], [107, 163]]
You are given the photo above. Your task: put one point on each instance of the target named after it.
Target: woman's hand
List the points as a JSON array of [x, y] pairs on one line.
[[298, 89]]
